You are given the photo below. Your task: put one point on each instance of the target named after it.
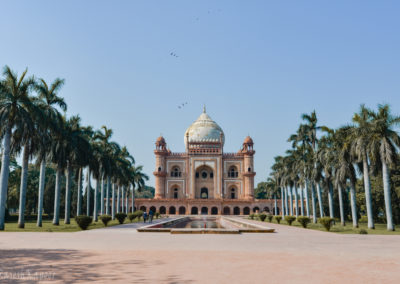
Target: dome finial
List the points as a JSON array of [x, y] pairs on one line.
[[204, 108]]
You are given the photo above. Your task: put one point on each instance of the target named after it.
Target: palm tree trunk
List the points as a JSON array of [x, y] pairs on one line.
[[95, 209], [330, 200], [102, 196], [301, 202], [68, 195], [313, 203], [79, 199], [387, 195], [283, 202], [4, 173], [113, 202], [307, 200], [41, 192], [22, 191], [341, 209], [88, 193], [290, 200], [367, 188], [133, 199], [118, 201], [296, 202], [319, 195], [126, 201], [276, 205], [353, 204], [56, 218], [108, 196], [286, 200], [122, 199]]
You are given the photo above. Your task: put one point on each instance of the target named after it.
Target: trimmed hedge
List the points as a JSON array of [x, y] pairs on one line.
[[120, 217], [326, 222], [83, 221], [269, 217], [289, 219], [278, 219], [138, 214], [131, 216], [304, 221], [262, 216], [105, 219]]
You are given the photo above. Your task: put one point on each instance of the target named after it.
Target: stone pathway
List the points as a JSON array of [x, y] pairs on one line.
[[122, 255]]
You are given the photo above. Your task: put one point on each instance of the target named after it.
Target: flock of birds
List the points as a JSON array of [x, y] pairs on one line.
[[173, 54], [182, 105]]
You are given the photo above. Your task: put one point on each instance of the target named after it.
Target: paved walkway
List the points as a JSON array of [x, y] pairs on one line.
[[122, 255]]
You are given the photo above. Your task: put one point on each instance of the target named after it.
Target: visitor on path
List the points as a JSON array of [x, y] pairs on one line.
[[151, 213], [144, 216]]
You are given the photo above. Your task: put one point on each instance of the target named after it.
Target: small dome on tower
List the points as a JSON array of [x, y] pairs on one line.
[[248, 140], [160, 140]]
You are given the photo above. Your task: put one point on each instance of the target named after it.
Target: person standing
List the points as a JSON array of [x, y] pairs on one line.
[[144, 216], [151, 214]]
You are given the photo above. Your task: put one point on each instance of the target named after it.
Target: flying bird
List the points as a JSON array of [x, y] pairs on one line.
[[173, 54]]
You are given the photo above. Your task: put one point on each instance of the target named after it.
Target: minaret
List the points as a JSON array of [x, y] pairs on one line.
[[160, 172], [248, 174]]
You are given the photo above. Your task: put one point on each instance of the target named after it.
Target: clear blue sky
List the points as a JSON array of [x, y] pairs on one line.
[[257, 65]]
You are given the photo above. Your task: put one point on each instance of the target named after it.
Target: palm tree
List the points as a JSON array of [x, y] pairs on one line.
[[361, 135], [345, 169], [138, 179], [311, 128], [15, 106], [48, 100], [26, 137], [278, 173], [383, 144], [78, 150]]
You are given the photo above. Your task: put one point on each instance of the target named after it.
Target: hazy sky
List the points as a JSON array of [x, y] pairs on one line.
[[257, 65]]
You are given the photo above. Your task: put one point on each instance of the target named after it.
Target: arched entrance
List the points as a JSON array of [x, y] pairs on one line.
[[246, 211], [236, 211], [182, 210], [204, 210], [172, 210], [143, 208], [204, 193], [266, 209], [214, 211], [227, 210], [152, 208], [256, 209], [204, 182], [163, 210], [194, 211]]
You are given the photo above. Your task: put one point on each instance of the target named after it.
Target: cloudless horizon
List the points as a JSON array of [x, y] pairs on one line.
[[256, 65]]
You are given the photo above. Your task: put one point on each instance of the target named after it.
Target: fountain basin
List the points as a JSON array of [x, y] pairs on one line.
[[206, 225]]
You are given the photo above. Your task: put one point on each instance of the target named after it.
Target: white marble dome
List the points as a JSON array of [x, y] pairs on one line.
[[204, 129]]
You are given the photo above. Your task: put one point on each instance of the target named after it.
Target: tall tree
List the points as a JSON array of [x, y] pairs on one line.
[[15, 105], [48, 103], [361, 135], [384, 142]]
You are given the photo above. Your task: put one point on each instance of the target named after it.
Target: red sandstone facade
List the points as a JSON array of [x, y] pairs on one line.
[[204, 179]]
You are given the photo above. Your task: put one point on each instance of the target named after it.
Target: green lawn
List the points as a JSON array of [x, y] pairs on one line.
[[30, 226], [380, 229]]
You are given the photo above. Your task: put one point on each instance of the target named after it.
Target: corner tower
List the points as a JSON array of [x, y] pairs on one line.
[[248, 174], [160, 172]]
